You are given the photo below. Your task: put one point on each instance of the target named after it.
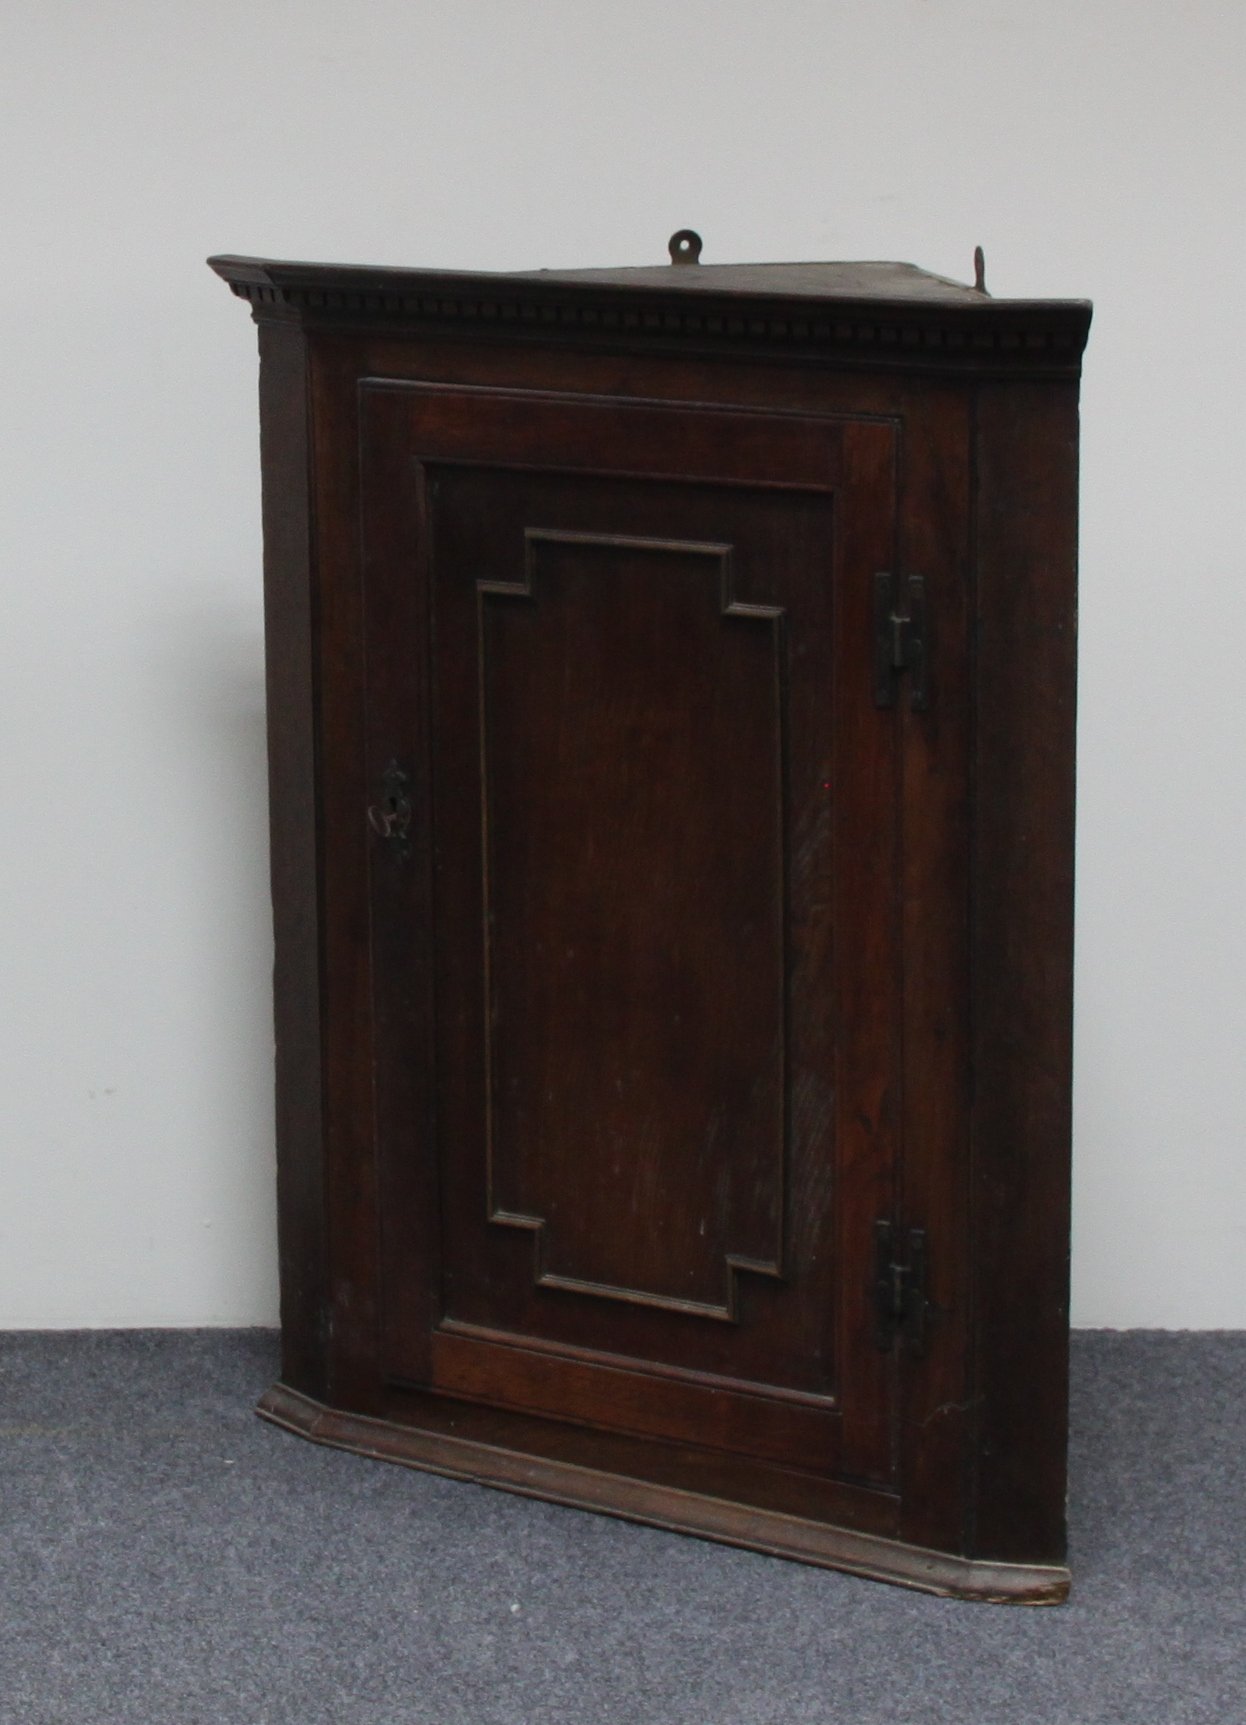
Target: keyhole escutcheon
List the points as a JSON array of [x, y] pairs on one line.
[[390, 818]]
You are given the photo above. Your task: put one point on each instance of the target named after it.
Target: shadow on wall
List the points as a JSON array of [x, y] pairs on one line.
[[209, 667]]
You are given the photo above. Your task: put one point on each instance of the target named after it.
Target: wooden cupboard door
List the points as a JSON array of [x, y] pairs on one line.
[[633, 936]]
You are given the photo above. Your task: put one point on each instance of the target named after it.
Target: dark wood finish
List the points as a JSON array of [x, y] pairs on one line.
[[292, 689], [634, 962], [1022, 966], [628, 728]]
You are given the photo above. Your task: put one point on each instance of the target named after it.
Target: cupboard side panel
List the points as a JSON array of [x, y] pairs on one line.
[[349, 1031], [1022, 960], [292, 699]]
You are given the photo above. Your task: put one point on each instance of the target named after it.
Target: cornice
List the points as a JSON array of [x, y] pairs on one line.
[[1038, 337]]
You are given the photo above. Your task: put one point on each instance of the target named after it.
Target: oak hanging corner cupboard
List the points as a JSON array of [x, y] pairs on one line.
[[671, 701]]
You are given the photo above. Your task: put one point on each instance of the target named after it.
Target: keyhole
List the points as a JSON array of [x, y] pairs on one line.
[[391, 817]]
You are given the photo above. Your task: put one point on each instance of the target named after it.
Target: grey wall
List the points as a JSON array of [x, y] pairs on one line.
[[1094, 147]]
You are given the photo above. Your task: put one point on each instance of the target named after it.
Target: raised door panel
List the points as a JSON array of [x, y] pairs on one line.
[[632, 767], [634, 949]]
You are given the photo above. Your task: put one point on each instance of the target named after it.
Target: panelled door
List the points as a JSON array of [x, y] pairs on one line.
[[633, 891]]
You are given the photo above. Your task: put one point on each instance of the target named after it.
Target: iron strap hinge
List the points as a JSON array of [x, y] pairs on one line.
[[901, 641], [900, 1301]]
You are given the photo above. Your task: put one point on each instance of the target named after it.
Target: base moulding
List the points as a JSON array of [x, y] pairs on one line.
[[676, 1510]]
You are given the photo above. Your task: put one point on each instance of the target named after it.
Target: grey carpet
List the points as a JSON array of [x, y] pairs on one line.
[[165, 1557]]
